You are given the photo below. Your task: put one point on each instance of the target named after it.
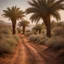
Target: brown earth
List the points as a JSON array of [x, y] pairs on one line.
[[30, 53]]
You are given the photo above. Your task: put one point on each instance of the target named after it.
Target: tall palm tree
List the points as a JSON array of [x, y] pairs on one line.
[[24, 24], [38, 28], [44, 9], [14, 13]]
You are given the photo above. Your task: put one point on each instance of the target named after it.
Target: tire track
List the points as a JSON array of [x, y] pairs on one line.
[[39, 59], [48, 58]]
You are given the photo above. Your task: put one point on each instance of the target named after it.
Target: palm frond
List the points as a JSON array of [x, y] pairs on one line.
[[35, 18], [13, 13], [56, 15], [32, 10], [23, 23], [56, 3], [34, 3], [50, 2], [44, 8]]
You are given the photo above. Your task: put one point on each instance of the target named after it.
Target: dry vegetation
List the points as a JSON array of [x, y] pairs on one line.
[[55, 42], [8, 42]]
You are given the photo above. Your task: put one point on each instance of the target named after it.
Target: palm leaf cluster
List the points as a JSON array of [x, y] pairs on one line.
[[44, 9], [13, 13], [24, 24]]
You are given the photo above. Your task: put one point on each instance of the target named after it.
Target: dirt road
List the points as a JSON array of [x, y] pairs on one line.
[[30, 53]]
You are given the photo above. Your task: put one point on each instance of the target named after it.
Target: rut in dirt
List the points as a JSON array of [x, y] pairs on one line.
[[30, 53]]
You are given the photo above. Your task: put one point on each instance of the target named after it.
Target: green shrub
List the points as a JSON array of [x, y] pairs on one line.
[[2, 36], [34, 37], [44, 32], [16, 37], [8, 42], [40, 39], [43, 40], [5, 47], [58, 31], [11, 41], [28, 33], [56, 42], [5, 31], [8, 45]]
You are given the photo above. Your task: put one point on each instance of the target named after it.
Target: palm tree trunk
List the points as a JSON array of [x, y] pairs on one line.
[[39, 31], [23, 29], [48, 29], [13, 27], [47, 23]]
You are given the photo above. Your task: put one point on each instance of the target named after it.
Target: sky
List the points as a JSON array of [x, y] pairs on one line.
[[9, 3], [23, 4]]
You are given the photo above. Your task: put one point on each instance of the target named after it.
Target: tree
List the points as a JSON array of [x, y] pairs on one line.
[[38, 27], [60, 24], [53, 24], [14, 13], [24, 24], [44, 9]]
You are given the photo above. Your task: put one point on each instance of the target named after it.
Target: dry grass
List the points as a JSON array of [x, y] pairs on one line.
[[56, 42], [58, 31], [8, 42], [39, 39]]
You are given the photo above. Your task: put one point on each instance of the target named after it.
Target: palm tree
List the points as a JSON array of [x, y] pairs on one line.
[[14, 13], [44, 9], [24, 24], [38, 27], [53, 24]]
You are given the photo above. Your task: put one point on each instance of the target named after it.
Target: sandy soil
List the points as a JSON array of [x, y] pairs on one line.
[[30, 53]]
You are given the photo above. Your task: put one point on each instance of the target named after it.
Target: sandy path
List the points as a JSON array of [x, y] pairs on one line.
[[33, 55], [29, 53]]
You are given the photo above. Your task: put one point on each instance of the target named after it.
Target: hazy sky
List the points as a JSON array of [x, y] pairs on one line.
[[23, 4], [9, 3]]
